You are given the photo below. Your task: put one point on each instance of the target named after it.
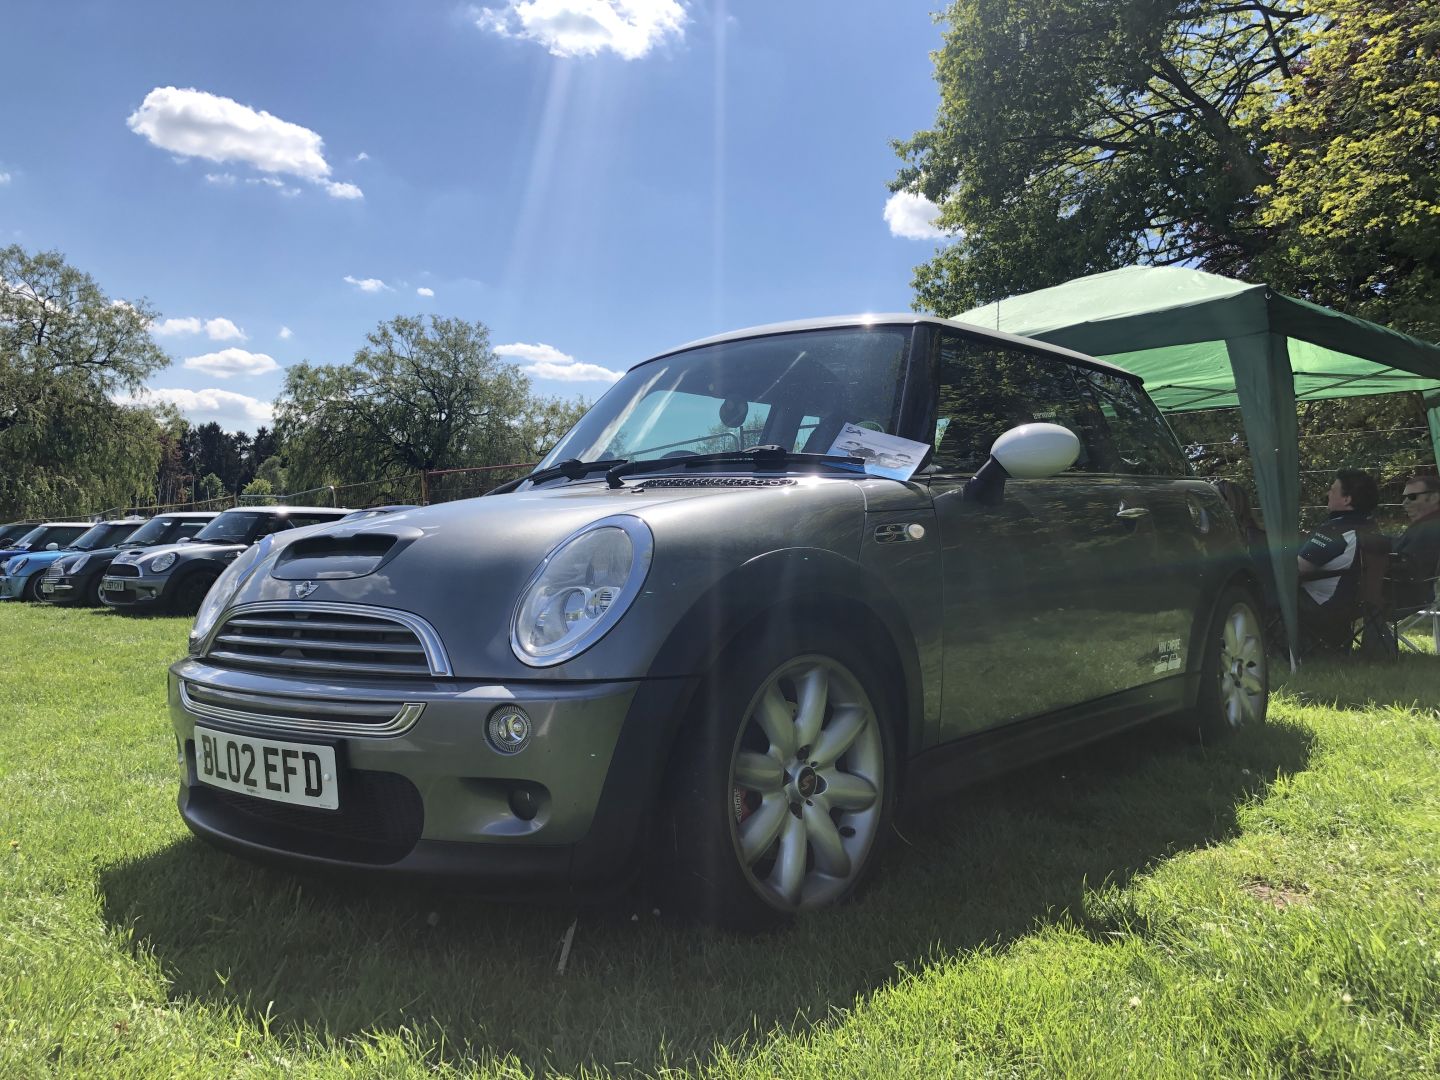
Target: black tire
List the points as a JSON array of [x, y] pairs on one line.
[[822, 807], [94, 595], [31, 591], [1235, 674], [190, 593]]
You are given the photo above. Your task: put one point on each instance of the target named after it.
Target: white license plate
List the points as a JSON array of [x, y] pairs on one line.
[[47, 586], [299, 773], [112, 584]]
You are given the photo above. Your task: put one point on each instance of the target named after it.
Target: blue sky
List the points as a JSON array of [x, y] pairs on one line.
[[595, 180]]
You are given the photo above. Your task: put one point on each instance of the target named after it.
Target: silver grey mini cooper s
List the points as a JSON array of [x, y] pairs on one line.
[[771, 585]]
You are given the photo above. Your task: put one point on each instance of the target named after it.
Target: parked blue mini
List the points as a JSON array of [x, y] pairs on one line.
[[20, 574]]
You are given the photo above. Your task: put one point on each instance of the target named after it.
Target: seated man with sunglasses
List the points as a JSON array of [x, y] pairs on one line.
[[1419, 545]]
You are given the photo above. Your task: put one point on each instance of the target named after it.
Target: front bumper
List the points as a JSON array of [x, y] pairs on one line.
[[11, 587], [145, 593], [434, 799]]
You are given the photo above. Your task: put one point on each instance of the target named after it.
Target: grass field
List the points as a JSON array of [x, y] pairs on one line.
[[1142, 909]]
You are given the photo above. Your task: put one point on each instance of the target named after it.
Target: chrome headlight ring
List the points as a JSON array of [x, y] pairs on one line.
[[581, 590]]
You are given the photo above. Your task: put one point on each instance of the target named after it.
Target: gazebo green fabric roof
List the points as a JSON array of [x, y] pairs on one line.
[[1170, 325], [1201, 341]]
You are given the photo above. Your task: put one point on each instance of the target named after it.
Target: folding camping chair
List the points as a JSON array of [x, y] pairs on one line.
[[1407, 623]]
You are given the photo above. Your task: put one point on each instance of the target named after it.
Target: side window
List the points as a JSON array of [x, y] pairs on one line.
[[273, 523], [189, 528], [313, 519], [986, 389], [1144, 443]]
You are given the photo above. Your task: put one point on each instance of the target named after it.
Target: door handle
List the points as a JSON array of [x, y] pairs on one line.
[[1132, 513]]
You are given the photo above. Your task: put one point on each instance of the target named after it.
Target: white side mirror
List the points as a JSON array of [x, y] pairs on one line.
[[1035, 451], [52, 546]]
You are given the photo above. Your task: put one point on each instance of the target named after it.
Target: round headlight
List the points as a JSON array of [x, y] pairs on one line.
[[74, 566], [580, 591], [161, 563], [223, 591]]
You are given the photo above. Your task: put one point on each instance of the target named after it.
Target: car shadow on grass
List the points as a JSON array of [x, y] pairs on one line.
[[640, 991]]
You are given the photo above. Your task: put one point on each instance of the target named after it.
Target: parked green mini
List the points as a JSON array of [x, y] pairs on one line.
[[772, 585]]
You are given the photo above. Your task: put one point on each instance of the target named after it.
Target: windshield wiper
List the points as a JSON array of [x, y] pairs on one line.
[[570, 468], [765, 458]]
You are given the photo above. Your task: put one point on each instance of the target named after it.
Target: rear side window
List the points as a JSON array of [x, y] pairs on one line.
[[1144, 444], [299, 520], [985, 389]]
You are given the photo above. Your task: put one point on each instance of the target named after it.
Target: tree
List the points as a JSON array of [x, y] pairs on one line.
[[422, 394], [209, 488], [1075, 136], [1356, 148], [542, 424], [259, 487], [65, 349]]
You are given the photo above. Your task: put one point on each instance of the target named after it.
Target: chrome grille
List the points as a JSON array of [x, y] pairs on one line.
[[326, 716], [52, 572], [320, 639], [717, 481]]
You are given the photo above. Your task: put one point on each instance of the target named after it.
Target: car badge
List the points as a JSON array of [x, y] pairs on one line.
[[305, 588]]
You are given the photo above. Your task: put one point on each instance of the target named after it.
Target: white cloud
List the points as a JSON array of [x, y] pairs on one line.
[[547, 362], [586, 27], [342, 191], [230, 362], [361, 156], [220, 179], [912, 216], [423, 291], [224, 330], [216, 329], [232, 411], [4, 178], [369, 284], [177, 326], [193, 123], [286, 333]]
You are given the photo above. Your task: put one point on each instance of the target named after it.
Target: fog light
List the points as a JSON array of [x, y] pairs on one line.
[[523, 804], [508, 730]]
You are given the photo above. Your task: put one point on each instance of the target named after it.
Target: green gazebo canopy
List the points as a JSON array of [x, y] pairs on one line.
[[1201, 341]]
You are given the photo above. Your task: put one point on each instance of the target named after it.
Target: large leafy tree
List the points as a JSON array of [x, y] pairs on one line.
[[1075, 136], [1356, 147], [421, 394], [66, 349]]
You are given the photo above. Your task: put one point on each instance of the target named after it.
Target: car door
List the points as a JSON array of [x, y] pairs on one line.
[[1040, 608], [1148, 458]]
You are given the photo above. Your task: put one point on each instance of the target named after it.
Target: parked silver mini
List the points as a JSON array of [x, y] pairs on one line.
[[770, 585]]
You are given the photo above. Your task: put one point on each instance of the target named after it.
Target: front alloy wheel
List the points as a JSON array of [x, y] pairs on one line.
[[807, 780]]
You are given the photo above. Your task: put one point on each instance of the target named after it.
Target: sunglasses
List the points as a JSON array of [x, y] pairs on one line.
[[1417, 494]]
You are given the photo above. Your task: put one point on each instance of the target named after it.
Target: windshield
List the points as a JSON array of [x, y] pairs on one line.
[[161, 529], [103, 535], [42, 535], [233, 527], [790, 390], [153, 531]]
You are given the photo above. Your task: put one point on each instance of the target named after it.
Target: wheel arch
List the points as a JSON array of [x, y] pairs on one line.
[[1240, 577], [805, 586]]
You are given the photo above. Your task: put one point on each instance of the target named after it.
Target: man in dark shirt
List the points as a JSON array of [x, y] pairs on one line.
[[1419, 545], [1330, 559]]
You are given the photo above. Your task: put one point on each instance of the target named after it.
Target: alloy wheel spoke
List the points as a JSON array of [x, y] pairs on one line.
[[1233, 629], [830, 854], [846, 791], [845, 727], [789, 873], [758, 772], [1250, 682], [773, 715], [760, 829], [812, 692]]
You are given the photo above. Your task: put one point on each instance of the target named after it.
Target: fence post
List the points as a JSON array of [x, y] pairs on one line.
[[424, 490]]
